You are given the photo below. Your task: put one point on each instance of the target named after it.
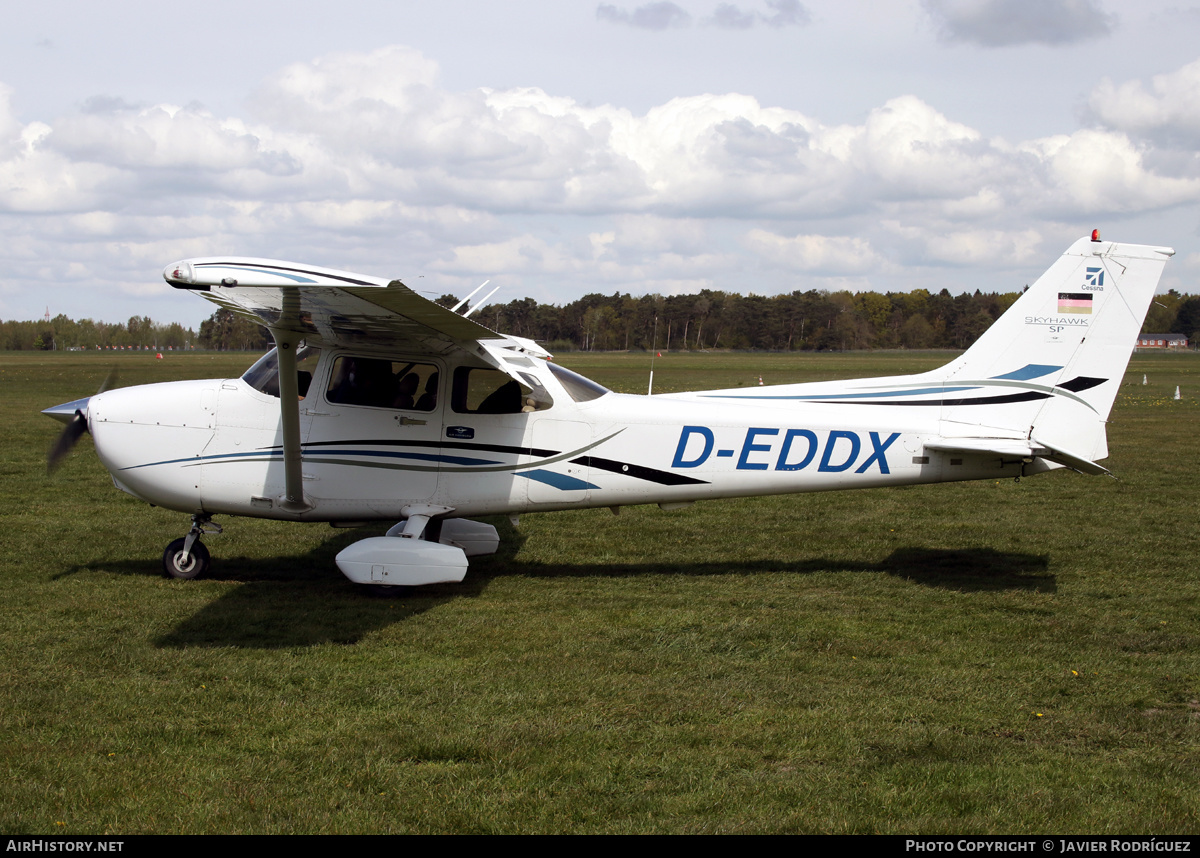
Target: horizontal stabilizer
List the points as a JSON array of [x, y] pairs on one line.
[[1008, 448], [1074, 462]]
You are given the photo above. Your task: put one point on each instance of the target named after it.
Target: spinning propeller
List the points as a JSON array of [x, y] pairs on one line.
[[74, 414]]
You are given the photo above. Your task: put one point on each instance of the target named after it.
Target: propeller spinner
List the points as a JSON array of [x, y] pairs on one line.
[[74, 414]]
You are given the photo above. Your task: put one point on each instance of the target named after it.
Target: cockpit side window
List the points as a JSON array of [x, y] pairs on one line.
[[263, 376], [480, 390]]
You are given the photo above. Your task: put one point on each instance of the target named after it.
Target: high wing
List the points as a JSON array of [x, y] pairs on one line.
[[306, 303], [338, 308]]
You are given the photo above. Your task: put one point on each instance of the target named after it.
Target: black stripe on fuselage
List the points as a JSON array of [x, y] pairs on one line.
[[1080, 382], [444, 445], [641, 472], [981, 400]]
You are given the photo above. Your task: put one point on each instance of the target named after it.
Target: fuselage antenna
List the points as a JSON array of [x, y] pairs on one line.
[[454, 309], [482, 301]]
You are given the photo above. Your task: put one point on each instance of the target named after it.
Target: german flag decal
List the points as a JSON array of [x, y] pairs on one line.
[[1074, 302]]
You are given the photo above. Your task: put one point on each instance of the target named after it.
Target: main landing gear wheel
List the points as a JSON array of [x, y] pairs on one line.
[[196, 564]]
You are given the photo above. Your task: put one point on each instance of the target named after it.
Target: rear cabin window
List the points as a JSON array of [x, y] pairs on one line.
[[381, 383]]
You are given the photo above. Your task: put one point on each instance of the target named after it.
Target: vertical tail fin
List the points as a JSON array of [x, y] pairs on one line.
[[1053, 363]]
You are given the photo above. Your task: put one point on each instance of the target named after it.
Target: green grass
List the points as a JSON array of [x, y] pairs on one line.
[[982, 657]]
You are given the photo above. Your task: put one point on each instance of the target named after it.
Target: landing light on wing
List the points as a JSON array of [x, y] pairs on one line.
[[182, 272]]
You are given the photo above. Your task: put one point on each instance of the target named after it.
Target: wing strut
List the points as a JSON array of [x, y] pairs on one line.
[[289, 412]]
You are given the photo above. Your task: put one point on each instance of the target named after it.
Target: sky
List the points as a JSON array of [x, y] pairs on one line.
[[560, 148]]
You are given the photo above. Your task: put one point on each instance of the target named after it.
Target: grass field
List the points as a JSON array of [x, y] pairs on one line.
[[980, 657]]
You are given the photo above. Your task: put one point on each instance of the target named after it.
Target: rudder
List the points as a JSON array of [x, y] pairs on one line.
[[1055, 359]]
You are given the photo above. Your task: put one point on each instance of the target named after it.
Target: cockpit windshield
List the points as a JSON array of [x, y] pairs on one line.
[[264, 375]]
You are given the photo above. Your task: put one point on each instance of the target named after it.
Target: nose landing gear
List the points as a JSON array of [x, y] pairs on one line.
[[187, 557]]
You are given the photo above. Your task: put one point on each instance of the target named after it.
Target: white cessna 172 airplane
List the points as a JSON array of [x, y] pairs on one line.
[[380, 405]]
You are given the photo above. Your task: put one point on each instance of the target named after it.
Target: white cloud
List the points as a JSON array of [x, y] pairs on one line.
[[655, 234], [11, 131], [998, 23], [652, 16], [947, 243], [368, 162], [164, 137], [817, 254], [1168, 110], [1102, 171], [522, 254], [730, 17], [786, 13], [781, 13], [914, 150], [726, 16], [406, 140]]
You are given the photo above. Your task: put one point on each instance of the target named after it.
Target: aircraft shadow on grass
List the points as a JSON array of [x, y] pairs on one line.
[[296, 601]]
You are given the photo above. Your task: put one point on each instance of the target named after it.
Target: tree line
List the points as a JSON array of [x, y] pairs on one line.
[[808, 321], [65, 333], [800, 321]]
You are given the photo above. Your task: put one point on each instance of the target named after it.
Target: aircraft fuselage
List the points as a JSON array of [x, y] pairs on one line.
[[215, 446]]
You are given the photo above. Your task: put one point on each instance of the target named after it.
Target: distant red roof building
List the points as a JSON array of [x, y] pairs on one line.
[[1162, 341]]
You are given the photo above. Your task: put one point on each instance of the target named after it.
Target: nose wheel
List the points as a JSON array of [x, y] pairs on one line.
[[179, 562], [187, 558]]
